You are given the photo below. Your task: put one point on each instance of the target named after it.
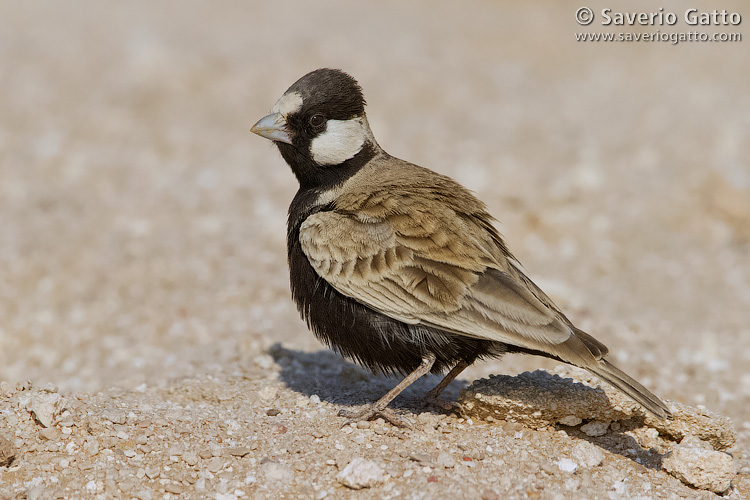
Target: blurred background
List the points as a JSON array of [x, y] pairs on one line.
[[142, 226]]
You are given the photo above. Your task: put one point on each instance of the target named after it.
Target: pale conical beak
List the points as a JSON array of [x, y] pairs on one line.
[[273, 127]]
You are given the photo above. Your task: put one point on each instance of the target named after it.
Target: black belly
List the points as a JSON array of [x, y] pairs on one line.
[[368, 337]]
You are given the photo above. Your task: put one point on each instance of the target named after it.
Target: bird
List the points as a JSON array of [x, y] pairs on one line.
[[401, 269]]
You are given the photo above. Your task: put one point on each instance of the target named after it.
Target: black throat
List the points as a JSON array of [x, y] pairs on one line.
[[312, 176]]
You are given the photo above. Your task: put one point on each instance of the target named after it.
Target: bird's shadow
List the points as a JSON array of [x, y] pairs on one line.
[[338, 381]]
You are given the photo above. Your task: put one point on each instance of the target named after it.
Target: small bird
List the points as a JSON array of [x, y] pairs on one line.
[[400, 268]]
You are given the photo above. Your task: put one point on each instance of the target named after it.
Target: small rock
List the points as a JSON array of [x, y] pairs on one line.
[[153, 472], [114, 416], [701, 468], [571, 421], [361, 473], [420, 457], [5, 388], [7, 452], [276, 473], [126, 485], [567, 465], [489, 495], [587, 455], [446, 460], [215, 465], [695, 442], [173, 451], [272, 412], [50, 434], [45, 406], [237, 451], [595, 428], [226, 496], [35, 492], [315, 399], [144, 494], [190, 458], [268, 393], [363, 424], [174, 488]]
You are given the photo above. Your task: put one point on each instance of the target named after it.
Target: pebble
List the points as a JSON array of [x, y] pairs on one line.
[[173, 451], [215, 465], [595, 428], [489, 495], [7, 452], [268, 393], [190, 458], [5, 388], [567, 465], [446, 460], [420, 457], [45, 406], [274, 473], [153, 472], [587, 454], [237, 451], [315, 399], [361, 473], [114, 416], [50, 434], [272, 412], [126, 485], [571, 421], [144, 494], [174, 488], [700, 467]]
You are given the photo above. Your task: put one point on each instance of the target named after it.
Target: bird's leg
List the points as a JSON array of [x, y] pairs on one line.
[[378, 408], [432, 396]]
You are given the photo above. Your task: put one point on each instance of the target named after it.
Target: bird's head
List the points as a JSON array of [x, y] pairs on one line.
[[320, 126]]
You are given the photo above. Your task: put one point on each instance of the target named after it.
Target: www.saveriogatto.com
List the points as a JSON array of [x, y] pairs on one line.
[[697, 24]]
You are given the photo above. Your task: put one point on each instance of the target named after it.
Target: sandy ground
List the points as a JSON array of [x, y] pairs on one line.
[[142, 253]]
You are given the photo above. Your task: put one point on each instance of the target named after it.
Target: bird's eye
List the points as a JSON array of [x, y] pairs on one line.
[[317, 120]]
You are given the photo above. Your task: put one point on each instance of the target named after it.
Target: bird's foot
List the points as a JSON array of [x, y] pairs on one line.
[[371, 412]]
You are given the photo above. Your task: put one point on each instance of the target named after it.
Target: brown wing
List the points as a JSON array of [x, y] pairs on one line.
[[422, 262]]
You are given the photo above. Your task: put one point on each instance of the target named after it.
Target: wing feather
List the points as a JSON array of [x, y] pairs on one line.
[[434, 268]]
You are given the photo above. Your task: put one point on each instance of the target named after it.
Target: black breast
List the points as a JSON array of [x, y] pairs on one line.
[[359, 333]]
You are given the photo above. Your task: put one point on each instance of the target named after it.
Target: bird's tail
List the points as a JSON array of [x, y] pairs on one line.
[[621, 380]]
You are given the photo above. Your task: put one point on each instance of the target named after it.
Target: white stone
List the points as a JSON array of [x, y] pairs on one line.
[[361, 473], [268, 393], [567, 465], [571, 421], [446, 460], [701, 468], [45, 406], [595, 428], [272, 472], [587, 454]]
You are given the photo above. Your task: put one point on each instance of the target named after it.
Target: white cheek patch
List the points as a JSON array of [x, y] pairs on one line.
[[342, 140], [288, 104]]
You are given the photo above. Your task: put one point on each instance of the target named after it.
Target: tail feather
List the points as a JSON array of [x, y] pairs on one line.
[[624, 382]]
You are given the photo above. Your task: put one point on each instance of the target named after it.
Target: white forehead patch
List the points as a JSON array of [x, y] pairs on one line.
[[289, 103], [342, 140]]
